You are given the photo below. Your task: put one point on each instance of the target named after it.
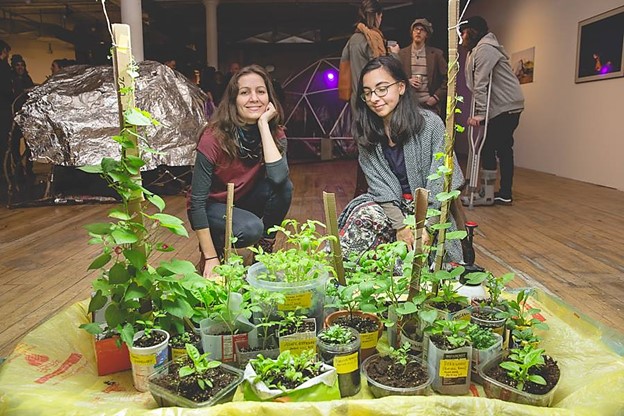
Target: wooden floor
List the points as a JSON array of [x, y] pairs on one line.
[[564, 236]]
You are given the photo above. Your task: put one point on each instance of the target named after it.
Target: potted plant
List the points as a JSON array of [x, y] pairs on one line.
[[485, 312], [300, 272], [194, 381], [485, 345], [522, 375], [290, 378], [148, 351], [266, 319], [357, 309], [177, 343], [296, 333], [229, 306], [450, 355], [520, 316], [444, 297], [397, 374], [128, 286], [339, 346]]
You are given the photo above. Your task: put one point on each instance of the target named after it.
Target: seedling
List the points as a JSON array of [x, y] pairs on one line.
[[481, 338], [454, 332], [287, 371], [200, 366], [520, 315], [520, 362], [336, 334], [401, 355]]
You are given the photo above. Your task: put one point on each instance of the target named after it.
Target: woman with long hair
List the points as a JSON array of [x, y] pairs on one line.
[[366, 43], [397, 142], [245, 144]]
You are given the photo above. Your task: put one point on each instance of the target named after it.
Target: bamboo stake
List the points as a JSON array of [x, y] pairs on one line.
[[122, 60], [229, 207], [331, 219], [421, 204], [449, 137]]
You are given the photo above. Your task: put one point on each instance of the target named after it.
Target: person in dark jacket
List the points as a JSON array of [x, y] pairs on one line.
[[245, 144]]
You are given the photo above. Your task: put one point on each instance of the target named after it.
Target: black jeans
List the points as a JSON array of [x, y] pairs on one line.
[[499, 142], [263, 207]]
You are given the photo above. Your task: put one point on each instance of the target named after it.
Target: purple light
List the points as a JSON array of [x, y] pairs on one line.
[[331, 77]]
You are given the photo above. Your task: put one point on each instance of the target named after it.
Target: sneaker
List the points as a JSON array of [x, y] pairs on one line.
[[502, 199]]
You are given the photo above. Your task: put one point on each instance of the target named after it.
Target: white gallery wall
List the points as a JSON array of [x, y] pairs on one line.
[[567, 129]]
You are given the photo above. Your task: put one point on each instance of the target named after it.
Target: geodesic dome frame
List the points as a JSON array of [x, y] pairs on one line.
[[314, 112]]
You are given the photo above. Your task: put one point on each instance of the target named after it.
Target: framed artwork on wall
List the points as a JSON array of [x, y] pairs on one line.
[[600, 47], [523, 64]]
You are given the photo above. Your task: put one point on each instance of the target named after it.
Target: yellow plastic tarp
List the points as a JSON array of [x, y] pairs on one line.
[[53, 371]]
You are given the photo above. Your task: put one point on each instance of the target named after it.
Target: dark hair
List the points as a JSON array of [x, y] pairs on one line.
[[225, 120], [4, 46], [479, 26], [369, 9], [406, 120]]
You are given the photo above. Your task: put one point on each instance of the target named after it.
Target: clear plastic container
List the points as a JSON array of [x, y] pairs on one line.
[[494, 389], [309, 295], [167, 398], [380, 390]]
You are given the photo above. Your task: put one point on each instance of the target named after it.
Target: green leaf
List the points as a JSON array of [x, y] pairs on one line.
[[459, 128], [92, 328], [91, 168], [185, 371], [176, 266], [98, 301], [124, 237], [136, 258], [99, 228], [100, 261], [113, 316], [456, 235], [119, 214], [444, 196], [118, 274], [537, 379], [157, 201], [127, 334], [136, 118], [135, 292]]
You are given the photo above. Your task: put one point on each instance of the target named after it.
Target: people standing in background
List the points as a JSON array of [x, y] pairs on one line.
[[20, 78], [425, 67], [487, 56], [366, 43], [245, 144], [398, 142], [232, 70], [6, 100], [59, 64]]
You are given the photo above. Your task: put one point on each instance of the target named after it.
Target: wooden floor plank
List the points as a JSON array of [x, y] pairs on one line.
[[563, 235]]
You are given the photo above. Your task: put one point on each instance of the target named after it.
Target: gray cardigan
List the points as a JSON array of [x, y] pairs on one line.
[[384, 187]]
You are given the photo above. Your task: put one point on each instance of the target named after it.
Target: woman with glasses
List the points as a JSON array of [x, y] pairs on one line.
[[243, 144], [397, 142]]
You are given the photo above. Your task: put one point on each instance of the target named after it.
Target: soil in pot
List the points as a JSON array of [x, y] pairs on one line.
[[384, 370], [361, 324], [155, 338], [549, 371], [188, 387], [290, 329]]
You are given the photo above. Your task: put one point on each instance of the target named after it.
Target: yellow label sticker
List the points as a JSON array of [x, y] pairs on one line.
[[294, 300], [454, 368], [297, 345], [143, 359], [178, 353], [369, 339], [346, 364]]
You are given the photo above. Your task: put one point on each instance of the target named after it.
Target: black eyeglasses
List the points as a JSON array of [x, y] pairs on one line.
[[379, 91]]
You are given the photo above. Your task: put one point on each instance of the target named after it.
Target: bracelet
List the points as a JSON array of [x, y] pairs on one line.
[[211, 258]]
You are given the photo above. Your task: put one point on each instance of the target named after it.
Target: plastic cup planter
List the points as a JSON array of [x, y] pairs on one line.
[[494, 389], [481, 356], [308, 295], [146, 360], [345, 358], [451, 369], [166, 398], [379, 389], [497, 325], [368, 340]]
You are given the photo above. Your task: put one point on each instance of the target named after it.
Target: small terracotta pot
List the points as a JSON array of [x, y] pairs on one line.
[[368, 340]]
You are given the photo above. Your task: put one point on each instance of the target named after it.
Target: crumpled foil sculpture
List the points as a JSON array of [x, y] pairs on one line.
[[69, 119]]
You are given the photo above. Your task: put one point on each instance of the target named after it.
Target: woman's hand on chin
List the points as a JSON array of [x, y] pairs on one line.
[[268, 114]]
